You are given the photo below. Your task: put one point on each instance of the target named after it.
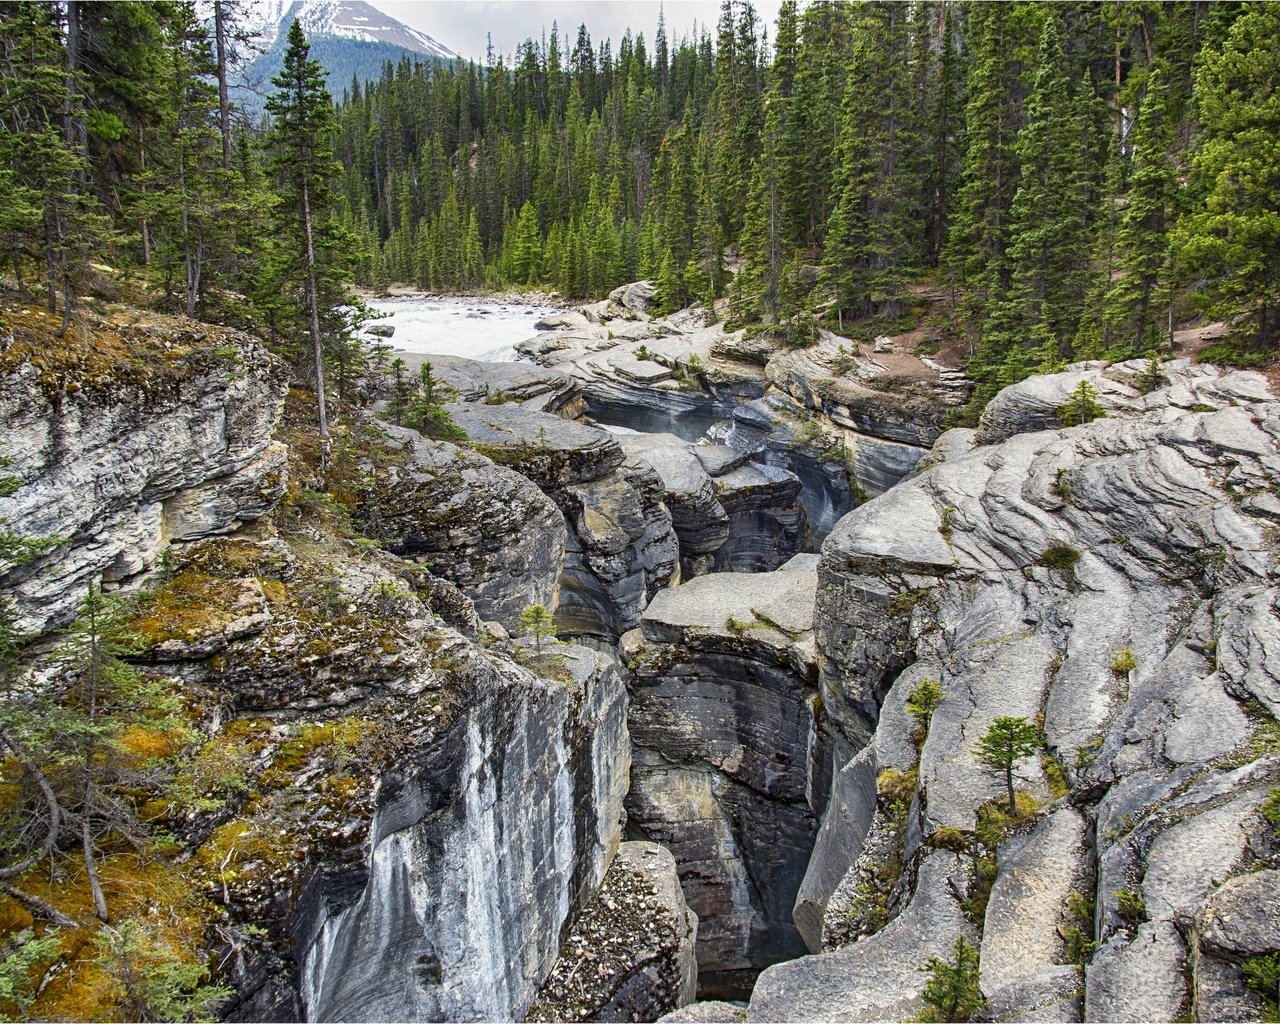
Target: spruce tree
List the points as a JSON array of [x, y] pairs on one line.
[[869, 245], [302, 162], [1137, 307], [1033, 322]]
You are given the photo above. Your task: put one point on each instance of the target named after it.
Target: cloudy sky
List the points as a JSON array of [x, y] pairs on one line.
[[462, 25]]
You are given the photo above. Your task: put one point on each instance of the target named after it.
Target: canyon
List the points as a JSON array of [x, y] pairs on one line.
[[708, 795]]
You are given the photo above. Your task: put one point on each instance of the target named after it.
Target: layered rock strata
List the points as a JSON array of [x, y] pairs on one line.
[[1116, 582], [729, 758], [164, 433], [620, 548], [484, 527], [730, 516]]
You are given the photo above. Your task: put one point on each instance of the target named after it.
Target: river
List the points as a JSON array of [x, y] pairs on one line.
[[477, 328]]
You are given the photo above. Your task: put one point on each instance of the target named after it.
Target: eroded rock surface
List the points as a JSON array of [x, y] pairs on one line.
[[486, 528], [1116, 578], [726, 749], [165, 434]]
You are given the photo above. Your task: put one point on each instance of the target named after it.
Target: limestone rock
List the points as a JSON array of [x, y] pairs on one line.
[[532, 387], [484, 843], [1020, 575], [486, 528], [709, 1012], [112, 469], [549, 450], [875, 979]]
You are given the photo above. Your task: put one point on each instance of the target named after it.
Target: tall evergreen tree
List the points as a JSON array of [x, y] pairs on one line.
[[302, 162], [1229, 244], [869, 244], [1137, 308], [1035, 320]]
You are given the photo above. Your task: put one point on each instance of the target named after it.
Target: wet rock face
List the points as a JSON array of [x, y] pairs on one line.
[[1093, 576], [484, 845], [727, 758], [484, 527], [113, 470], [630, 954]]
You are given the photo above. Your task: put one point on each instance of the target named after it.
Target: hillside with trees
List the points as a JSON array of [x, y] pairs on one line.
[[1076, 179]]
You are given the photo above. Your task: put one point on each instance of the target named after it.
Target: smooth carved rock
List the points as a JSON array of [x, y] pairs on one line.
[[532, 387], [483, 846], [622, 550], [1238, 922], [1015, 575], [113, 470], [875, 979], [549, 450]]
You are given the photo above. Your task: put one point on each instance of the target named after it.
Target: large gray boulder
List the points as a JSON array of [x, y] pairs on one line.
[[484, 527]]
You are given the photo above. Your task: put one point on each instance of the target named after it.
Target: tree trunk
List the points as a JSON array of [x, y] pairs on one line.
[[91, 868], [224, 108], [313, 301], [1008, 781]]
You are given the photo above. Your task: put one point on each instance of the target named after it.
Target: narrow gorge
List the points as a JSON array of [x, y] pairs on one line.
[[708, 779]]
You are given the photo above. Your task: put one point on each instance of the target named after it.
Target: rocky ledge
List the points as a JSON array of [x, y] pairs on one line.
[[126, 436], [848, 419]]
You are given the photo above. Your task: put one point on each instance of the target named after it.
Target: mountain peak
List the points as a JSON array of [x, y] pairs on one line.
[[343, 19]]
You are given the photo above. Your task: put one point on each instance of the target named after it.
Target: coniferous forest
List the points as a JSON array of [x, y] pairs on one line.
[[1078, 179]]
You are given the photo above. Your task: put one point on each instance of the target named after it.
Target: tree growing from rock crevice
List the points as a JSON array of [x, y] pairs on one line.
[[1007, 741]]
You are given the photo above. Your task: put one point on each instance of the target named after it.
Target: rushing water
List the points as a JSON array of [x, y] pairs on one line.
[[483, 329]]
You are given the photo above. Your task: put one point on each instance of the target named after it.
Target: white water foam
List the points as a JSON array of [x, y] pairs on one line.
[[474, 328]]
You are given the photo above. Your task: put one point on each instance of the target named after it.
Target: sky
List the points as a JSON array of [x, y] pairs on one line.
[[462, 25]]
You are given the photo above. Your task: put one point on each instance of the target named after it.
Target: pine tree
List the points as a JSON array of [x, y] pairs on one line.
[[1230, 239], [1006, 742], [869, 244], [52, 218], [303, 164]]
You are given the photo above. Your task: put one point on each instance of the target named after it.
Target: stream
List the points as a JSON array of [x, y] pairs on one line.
[[475, 328]]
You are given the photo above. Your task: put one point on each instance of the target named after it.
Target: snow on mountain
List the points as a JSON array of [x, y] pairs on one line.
[[340, 19]]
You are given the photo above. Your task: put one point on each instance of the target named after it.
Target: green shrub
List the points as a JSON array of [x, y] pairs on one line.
[[952, 992], [1124, 662], [1059, 557], [1262, 975], [1234, 353], [1131, 907], [923, 701]]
